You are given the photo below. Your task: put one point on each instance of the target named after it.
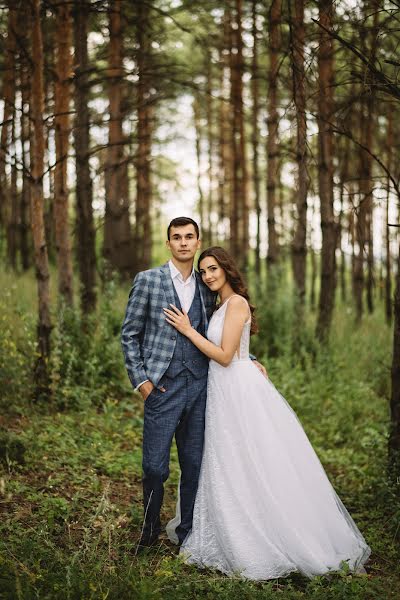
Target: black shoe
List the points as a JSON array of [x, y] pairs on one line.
[[145, 543]]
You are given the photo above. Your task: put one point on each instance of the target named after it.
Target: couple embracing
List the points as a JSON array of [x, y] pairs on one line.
[[253, 499]]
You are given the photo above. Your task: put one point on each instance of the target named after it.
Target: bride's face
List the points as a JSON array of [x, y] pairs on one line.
[[212, 274]]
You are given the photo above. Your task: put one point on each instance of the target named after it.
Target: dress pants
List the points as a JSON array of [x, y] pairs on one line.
[[180, 410]]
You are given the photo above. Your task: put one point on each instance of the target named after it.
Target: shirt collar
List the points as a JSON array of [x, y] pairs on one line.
[[175, 273]]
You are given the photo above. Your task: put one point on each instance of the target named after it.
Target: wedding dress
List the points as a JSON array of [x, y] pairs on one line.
[[264, 506]]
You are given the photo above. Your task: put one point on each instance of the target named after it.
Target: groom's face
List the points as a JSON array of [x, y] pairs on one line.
[[183, 243]]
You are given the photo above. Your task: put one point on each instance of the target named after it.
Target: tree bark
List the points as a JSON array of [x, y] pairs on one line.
[[255, 141], [208, 229], [325, 172], [388, 261], [85, 231], [274, 23], [299, 246], [25, 125], [225, 171], [394, 438], [6, 127], [239, 213], [14, 216], [144, 130], [118, 238], [197, 127], [37, 207], [342, 185], [62, 102]]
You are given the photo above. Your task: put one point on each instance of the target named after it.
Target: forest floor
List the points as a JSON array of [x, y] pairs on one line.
[[70, 479]]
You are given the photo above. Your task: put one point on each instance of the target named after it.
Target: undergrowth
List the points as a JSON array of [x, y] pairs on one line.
[[70, 470]]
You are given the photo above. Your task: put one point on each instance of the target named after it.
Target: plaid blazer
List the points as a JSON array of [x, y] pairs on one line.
[[148, 341]]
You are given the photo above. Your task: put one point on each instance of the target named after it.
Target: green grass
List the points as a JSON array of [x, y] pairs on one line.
[[70, 491]]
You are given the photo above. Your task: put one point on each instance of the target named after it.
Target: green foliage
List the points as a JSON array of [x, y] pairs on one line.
[[70, 472], [86, 363], [86, 366]]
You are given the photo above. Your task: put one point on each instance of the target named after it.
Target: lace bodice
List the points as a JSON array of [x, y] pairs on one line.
[[216, 327]]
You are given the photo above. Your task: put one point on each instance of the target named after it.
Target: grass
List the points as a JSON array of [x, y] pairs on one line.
[[70, 491]]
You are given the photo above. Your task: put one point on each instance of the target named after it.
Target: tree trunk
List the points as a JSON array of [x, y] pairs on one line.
[[25, 124], [225, 173], [85, 231], [388, 273], [299, 246], [342, 184], [325, 172], [13, 222], [239, 213], [118, 239], [352, 234], [144, 131], [255, 142], [6, 127], [37, 207], [370, 101], [394, 439], [197, 127], [210, 144], [62, 131], [274, 23]]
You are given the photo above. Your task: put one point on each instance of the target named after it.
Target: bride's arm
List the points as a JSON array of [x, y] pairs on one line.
[[237, 314]]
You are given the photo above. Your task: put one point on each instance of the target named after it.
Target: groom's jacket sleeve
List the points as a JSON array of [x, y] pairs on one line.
[[133, 329]]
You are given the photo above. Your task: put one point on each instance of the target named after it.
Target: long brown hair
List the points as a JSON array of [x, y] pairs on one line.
[[233, 276]]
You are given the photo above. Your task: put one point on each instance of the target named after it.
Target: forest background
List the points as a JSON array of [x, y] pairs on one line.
[[275, 124]]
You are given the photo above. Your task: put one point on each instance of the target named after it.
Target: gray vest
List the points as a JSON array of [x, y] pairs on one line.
[[186, 356]]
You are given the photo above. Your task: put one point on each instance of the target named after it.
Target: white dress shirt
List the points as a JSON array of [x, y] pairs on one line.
[[185, 290]]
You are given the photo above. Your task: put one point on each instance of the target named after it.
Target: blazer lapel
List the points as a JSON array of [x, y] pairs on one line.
[[167, 284]]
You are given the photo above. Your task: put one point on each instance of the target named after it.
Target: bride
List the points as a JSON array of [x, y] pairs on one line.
[[264, 506]]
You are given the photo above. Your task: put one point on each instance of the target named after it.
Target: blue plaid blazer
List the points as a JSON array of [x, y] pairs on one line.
[[148, 341]]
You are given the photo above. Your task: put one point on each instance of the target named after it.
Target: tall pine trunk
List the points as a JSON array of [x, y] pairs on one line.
[[14, 200], [325, 171], [6, 127], [25, 125], [62, 102], [197, 127], [85, 231], [394, 438], [118, 236], [143, 234], [274, 23], [388, 261], [208, 228], [239, 211], [37, 207], [255, 141], [225, 162], [299, 246]]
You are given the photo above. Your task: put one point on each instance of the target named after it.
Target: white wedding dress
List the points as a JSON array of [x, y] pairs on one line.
[[264, 506]]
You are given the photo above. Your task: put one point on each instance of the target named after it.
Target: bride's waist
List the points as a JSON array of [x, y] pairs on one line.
[[234, 361]]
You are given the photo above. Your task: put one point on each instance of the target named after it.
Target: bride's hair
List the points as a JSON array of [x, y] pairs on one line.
[[233, 276]]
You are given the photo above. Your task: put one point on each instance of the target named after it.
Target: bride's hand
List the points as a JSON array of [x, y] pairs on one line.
[[178, 319]]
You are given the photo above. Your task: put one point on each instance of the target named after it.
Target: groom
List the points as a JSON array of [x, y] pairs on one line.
[[170, 373]]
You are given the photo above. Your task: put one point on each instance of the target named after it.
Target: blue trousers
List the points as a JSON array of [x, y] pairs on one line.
[[179, 411]]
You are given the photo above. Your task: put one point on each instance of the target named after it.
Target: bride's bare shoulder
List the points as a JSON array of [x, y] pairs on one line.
[[237, 304]]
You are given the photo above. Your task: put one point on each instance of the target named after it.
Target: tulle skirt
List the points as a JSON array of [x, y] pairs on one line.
[[264, 506]]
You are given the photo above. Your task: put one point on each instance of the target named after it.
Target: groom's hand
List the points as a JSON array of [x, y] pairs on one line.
[[146, 388], [261, 368]]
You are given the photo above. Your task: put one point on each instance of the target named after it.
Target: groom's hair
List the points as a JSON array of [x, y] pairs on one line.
[[181, 222]]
